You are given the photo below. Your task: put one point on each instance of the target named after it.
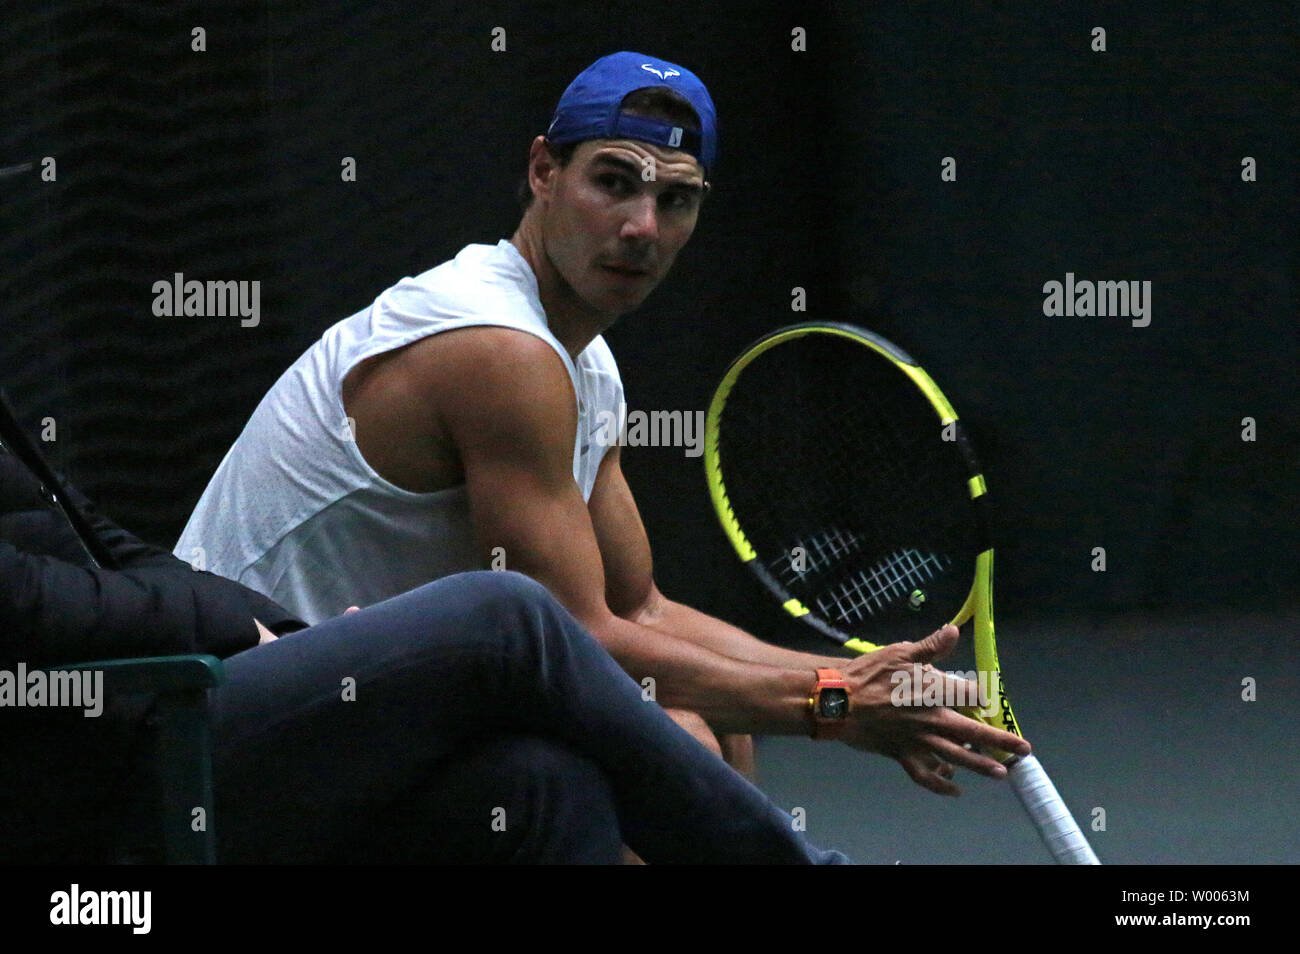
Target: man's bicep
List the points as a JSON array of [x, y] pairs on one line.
[[541, 528], [511, 415]]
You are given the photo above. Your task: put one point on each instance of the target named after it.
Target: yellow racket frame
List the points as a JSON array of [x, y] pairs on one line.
[[979, 602]]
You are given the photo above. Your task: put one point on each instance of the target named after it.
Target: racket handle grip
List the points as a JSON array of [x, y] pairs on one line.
[[1054, 822]]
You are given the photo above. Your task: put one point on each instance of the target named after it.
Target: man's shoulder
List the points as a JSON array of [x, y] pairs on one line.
[[473, 255], [494, 386], [477, 264], [486, 352], [482, 284]]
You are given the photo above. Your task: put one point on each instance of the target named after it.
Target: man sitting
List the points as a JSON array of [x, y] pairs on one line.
[[470, 720]]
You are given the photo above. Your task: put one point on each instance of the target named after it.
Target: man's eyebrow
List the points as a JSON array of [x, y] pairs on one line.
[[632, 168]]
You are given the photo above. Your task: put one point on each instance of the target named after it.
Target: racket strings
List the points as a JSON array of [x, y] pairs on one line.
[[853, 586], [897, 577], [836, 469]]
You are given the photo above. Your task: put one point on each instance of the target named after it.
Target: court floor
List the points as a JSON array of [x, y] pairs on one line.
[[1141, 716]]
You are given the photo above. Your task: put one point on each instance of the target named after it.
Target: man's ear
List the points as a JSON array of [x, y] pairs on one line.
[[542, 168]]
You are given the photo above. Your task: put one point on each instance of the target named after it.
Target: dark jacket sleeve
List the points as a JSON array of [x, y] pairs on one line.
[[130, 552], [53, 611]]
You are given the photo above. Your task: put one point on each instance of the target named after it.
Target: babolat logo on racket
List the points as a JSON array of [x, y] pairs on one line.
[[1008, 720]]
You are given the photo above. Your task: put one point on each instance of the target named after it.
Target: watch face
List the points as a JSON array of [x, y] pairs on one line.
[[833, 703]]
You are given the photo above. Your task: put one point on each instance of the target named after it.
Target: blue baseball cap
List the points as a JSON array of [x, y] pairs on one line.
[[589, 108]]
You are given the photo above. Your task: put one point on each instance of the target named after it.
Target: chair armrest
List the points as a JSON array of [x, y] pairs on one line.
[[184, 746], [161, 674]]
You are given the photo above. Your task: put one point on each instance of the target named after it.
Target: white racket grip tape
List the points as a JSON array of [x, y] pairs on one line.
[[1055, 823]]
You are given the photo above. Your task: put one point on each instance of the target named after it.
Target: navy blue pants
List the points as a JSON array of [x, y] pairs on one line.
[[470, 720]]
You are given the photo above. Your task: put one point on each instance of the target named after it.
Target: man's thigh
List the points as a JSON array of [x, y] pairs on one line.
[[323, 727], [318, 727]]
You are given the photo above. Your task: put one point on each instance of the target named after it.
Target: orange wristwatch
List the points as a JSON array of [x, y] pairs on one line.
[[829, 705]]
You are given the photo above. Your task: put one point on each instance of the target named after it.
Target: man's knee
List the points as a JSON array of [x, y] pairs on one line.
[[505, 587], [738, 750], [699, 730]]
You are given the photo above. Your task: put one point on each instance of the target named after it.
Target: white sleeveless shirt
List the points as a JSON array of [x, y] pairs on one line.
[[295, 512]]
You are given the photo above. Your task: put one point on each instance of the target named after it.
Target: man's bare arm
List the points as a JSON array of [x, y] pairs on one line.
[[503, 399], [631, 592]]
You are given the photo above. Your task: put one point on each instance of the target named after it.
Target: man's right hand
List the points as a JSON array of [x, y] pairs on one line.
[[927, 740]]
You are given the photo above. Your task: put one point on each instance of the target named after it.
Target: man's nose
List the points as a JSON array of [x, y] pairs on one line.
[[643, 220]]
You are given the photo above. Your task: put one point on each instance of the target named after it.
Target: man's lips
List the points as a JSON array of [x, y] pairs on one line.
[[629, 270]]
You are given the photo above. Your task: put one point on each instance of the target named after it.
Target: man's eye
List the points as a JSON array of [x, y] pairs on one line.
[[678, 200], [611, 181]]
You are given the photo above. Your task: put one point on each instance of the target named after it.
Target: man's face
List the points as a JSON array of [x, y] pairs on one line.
[[611, 232]]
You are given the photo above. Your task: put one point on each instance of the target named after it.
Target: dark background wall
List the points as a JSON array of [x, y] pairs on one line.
[[1123, 165]]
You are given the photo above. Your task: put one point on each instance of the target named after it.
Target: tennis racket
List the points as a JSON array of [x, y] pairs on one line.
[[845, 482]]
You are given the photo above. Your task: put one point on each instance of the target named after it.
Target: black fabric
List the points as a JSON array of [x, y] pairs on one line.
[[57, 607], [72, 786]]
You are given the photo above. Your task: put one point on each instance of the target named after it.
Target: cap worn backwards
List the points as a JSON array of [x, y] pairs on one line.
[[589, 108]]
